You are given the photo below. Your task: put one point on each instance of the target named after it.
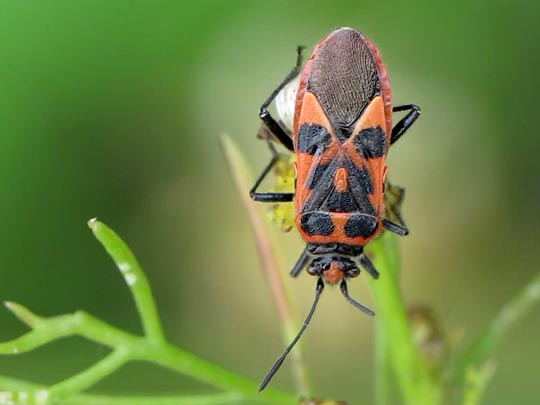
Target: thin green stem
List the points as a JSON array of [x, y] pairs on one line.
[[267, 248], [383, 369], [79, 382], [25, 389], [23, 314], [134, 277], [476, 382], [484, 345], [176, 359], [130, 347], [78, 323], [416, 384], [226, 398]]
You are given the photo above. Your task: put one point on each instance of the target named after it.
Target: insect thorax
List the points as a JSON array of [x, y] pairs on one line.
[[320, 249]]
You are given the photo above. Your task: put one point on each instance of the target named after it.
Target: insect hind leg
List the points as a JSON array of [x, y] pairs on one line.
[[265, 115]]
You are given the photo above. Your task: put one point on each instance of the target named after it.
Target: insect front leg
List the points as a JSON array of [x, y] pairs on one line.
[[406, 122], [265, 115]]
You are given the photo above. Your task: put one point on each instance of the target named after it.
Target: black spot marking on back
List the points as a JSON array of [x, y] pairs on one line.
[[317, 223], [371, 143], [313, 139], [360, 225], [340, 202]]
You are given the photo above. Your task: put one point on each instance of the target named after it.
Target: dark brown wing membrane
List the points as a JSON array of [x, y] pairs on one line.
[[344, 77]]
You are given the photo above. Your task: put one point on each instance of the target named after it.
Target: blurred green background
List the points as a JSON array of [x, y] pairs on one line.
[[113, 109]]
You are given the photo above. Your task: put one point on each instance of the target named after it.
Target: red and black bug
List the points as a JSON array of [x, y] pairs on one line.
[[341, 133]]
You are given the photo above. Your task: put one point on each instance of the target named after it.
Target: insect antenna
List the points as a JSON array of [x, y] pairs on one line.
[[279, 362], [345, 292]]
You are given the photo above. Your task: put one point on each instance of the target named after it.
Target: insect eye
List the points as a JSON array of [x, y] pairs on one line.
[[313, 271], [353, 272]]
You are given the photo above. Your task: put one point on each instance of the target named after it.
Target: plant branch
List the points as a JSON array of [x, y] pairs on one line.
[[24, 390], [383, 367], [78, 323], [152, 347], [128, 347], [88, 377]]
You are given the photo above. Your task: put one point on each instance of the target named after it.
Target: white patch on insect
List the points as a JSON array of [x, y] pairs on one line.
[[124, 267], [42, 396], [286, 103], [130, 278]]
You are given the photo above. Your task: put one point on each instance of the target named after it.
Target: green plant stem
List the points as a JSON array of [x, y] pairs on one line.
[[151, 347], [79, 382], [202, 399], [267, 248], [134, 276], [383, 369], [130, 347], [416, 384], [485, 344], [24, 389], [476, 381]]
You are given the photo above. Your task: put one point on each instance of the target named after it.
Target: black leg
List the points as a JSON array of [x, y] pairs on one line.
[[370, 268], [300, 264], [393, 198], [405, 123], [264, 114], [269, 197], [399, 229]]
